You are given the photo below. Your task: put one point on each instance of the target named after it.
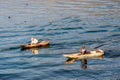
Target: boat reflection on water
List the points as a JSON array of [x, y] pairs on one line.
[[34, 50], [83, 61]]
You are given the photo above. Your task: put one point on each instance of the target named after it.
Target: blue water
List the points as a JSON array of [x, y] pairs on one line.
[[67, 24]]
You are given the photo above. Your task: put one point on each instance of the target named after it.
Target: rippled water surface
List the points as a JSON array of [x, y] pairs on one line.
[[67, 24]]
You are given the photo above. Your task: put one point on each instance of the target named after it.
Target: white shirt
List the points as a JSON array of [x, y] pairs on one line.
[[33, 40]]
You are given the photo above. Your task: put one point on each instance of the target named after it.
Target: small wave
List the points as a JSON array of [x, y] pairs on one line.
[[10, 48], [112, 53], [107, 26], [9, 76], [95, 31], [115, 35], [69, 20]]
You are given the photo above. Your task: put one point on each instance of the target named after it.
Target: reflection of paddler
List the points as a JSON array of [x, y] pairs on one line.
[[35, 50], [83, 54], [84, 63]]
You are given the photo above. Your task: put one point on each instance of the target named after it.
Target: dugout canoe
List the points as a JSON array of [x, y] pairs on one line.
[[39, 44], [90, 54]]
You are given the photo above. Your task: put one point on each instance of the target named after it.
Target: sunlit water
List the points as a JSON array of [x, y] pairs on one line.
[[67, 24]]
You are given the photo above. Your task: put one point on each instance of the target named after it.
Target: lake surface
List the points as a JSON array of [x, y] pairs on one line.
[[67, 24]]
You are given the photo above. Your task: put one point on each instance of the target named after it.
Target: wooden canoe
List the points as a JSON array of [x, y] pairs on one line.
[[90, 54], [39, 44]]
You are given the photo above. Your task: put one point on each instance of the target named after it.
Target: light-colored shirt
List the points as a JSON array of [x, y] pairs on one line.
[[34, 40]]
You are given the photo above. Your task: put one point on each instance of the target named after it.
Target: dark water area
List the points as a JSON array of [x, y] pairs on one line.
[[67, 24]]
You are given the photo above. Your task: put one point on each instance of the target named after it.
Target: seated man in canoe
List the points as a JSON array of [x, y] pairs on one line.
[[83, 50], [83, 54]]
